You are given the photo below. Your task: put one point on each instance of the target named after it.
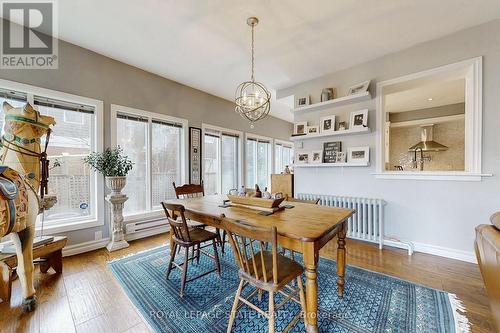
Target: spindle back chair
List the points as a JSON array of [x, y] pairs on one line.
[[265, 270]]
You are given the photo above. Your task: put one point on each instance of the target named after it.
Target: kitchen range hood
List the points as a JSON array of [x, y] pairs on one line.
[[427, 142]]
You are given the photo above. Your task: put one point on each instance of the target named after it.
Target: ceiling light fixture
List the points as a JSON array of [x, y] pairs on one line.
[[430, 99], [253, 100]]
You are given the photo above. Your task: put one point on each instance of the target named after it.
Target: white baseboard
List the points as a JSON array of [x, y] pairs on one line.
[[446, 252], [148, 232], [435, 250], [71, 250]]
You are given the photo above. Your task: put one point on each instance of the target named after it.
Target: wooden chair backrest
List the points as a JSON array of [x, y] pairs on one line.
[[312, 201], [178, 226], [243, 238], [189, 191]]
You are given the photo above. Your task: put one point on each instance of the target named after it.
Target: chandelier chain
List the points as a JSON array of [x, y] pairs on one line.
[[253, 60]]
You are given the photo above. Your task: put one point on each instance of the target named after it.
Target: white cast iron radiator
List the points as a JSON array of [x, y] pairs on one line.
[[366, 224]]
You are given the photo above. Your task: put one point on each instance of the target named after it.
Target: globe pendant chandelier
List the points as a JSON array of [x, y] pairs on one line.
[[253, 100]]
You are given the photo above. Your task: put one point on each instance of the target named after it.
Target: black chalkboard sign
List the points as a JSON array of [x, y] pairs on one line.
[[330, 150]]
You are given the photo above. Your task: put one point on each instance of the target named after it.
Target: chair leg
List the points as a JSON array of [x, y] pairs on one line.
[[271, 312], [198, 254], [184, 271], [235, 307], [302, 299], [172, 257], [219, 240], [216, 256], [224, 234]]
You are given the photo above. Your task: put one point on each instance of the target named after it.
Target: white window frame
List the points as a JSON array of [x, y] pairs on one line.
[[96, 186], [115, 109], [222, 130], [270, 158], [283, 143], [472, 69]]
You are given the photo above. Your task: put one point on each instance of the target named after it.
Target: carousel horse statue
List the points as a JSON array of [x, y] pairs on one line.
[[23, 186]]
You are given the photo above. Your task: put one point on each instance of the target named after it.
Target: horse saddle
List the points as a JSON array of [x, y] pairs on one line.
[[8, 192]]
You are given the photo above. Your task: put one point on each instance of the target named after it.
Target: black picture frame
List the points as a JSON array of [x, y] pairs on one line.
[[195, 147]]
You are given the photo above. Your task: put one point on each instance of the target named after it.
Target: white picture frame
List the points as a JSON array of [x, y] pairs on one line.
[[303, 101], [340, 157], [312, 130], [316, 157], [358, 119], [359, 155], [300, 128], [327, 124], [302, 157], [358, 88]]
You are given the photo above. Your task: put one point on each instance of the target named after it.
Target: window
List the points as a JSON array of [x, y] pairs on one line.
[[155, 144], [258, 161], [221, 159], [434, 132], [76, 188], [283, 156]]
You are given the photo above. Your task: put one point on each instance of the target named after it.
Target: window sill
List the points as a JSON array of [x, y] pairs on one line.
[[432, 175], [57, 228]]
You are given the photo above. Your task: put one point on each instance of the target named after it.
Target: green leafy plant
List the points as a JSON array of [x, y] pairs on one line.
[[111, 162]]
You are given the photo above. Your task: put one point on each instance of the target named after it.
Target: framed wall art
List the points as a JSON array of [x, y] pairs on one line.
[[194, 155]]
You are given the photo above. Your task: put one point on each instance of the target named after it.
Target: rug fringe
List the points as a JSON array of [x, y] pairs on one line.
[[462, 324]]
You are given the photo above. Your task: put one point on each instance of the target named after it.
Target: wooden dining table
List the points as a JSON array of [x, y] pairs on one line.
[[305, 228]]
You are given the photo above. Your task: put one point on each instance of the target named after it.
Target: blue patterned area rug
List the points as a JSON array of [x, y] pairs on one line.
[[372, 302]]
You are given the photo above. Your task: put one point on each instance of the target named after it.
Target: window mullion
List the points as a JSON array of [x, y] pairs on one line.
[[149, 166]]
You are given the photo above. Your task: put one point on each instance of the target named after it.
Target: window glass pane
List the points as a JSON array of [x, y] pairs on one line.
[[211, 164], [262, 164], [133, 140], [251, 152], [229, 163], [165, 161], [71, 181], [278, 158], [287, 158]]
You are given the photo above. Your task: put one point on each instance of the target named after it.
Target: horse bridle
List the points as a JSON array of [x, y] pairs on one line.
[[42, 156]]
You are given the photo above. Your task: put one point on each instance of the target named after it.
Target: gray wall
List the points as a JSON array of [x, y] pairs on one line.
[[433, 214], [89, 74]]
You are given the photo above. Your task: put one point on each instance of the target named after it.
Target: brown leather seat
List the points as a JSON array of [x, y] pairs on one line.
[[487, 246]]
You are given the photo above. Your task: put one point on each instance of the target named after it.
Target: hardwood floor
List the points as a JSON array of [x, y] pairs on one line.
[[86, 297]]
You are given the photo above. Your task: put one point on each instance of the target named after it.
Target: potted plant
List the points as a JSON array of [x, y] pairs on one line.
[[113, 164]]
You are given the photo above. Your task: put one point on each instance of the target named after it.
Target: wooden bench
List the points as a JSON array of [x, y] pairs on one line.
[[51, 253]]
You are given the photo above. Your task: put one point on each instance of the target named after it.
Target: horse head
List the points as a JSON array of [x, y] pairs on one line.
[[25, 124]]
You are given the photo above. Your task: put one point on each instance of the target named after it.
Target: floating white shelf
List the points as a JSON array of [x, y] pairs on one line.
[[364, 96], [353, 131], [328, 165]]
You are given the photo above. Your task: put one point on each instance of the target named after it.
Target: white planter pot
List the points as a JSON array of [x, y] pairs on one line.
[[116, 184]]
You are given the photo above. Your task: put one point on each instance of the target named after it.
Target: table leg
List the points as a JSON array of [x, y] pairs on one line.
[[341, 259], [311, 264]]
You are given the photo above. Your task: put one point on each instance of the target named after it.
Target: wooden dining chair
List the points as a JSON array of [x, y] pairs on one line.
[[186, 238], [196, 191], [264, 270]]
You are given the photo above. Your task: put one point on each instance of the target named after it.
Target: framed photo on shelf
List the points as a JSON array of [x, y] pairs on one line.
[[358, 155], [342, 126], [359, 119], [340, 157], [316, 156], [358, 88], [300, 128], [327, 124], [303, 101], [302, 157], [330, 151], [194, 155], [312, 129]]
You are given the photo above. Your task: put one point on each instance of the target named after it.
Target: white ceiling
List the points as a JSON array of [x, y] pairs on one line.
[[417, 98], [205, 44]]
